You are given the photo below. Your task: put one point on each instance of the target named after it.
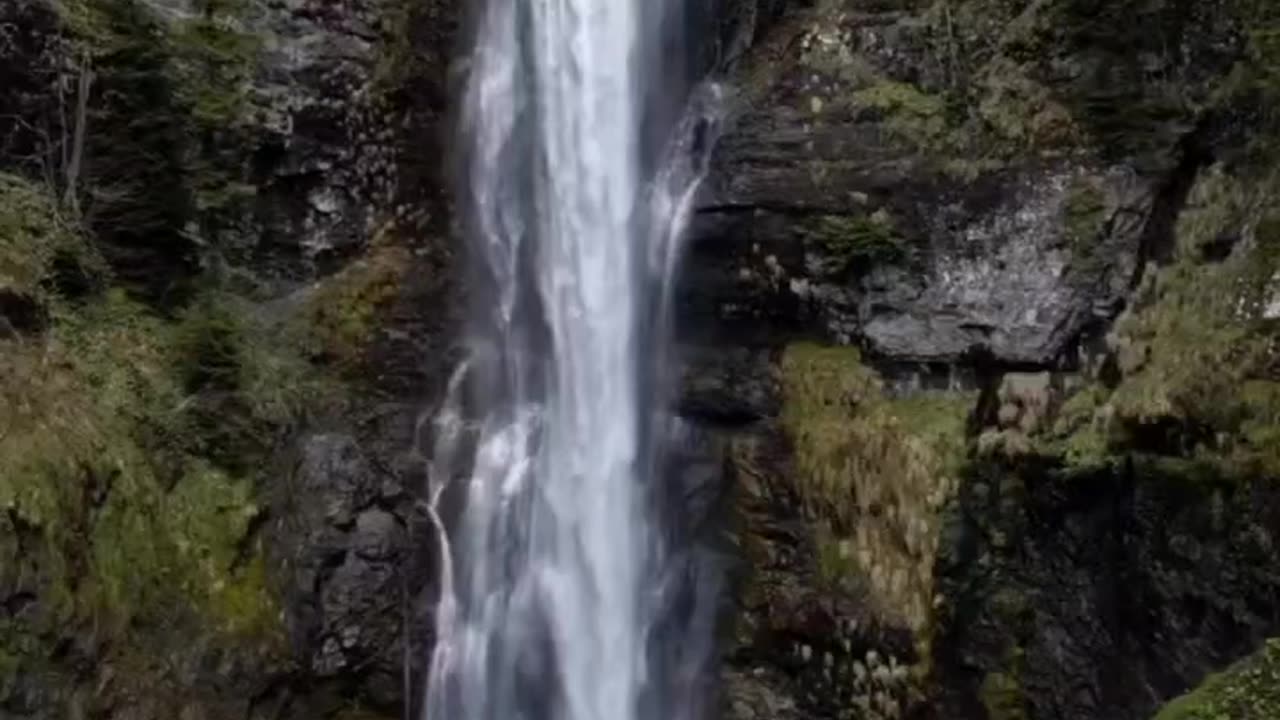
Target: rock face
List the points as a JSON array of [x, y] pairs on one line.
[[850, 200], [986, 197], [355, 550], [251, 249], [929, 273], [1102, 595], [978, 320]]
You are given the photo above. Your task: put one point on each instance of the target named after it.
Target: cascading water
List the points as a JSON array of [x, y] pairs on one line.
[[564, 584]]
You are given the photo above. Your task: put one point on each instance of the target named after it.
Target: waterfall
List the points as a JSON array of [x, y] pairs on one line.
[[568, 591]]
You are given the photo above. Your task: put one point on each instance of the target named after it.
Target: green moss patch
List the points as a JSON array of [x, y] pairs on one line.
[[341, 317], [1193, 360], [1249, 690], [101, 453], [851, 244], [130, 447]]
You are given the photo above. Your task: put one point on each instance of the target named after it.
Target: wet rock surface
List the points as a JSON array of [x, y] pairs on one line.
[[975, 214], [1105, 595], [355, 549]]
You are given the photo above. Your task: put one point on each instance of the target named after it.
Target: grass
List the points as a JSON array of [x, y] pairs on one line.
[[35, 240], [130, 444], [873, 473], [100, 454]]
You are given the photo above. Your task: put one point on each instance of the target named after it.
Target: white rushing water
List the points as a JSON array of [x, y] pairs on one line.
[[564, 590]]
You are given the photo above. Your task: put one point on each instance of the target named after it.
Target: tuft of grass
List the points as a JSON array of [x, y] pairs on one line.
[[873, 472]]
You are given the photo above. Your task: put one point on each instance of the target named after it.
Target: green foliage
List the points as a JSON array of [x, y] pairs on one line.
[[170, 116], [247, 383], [213, 63], [1081, 434], [35, 241], [129, 444], [97, 452], [855, 243], [846, 429], [1086, 215], [341, 317], [1196, 353], [215, 59], [1249, 690], [908, 112], [873, 472]]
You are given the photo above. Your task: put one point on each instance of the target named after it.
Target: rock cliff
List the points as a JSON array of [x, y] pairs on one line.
[[1035, 241], [977, 320]]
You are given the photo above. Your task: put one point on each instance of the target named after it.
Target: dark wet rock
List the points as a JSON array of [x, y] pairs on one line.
[[992, 264], [797, 647], [732, 386], [848, 202], [326, 154], [353, 546], [1104, 594]]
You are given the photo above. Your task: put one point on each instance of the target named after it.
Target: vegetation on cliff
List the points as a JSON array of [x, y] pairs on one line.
[[873, 472], [129, 447], [146, 388], [1249, 690]]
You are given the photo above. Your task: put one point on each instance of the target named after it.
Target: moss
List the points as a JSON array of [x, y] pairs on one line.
[[855, 243], [1081, 433], [129, 449], [1021, 112], [94, 453], [872, 472], [1002, 696], [1192, 369], [908, 112], [1250, 690], [341, 317], [1085, 216], [1217, 207], [1194, 349], [398, 58]]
